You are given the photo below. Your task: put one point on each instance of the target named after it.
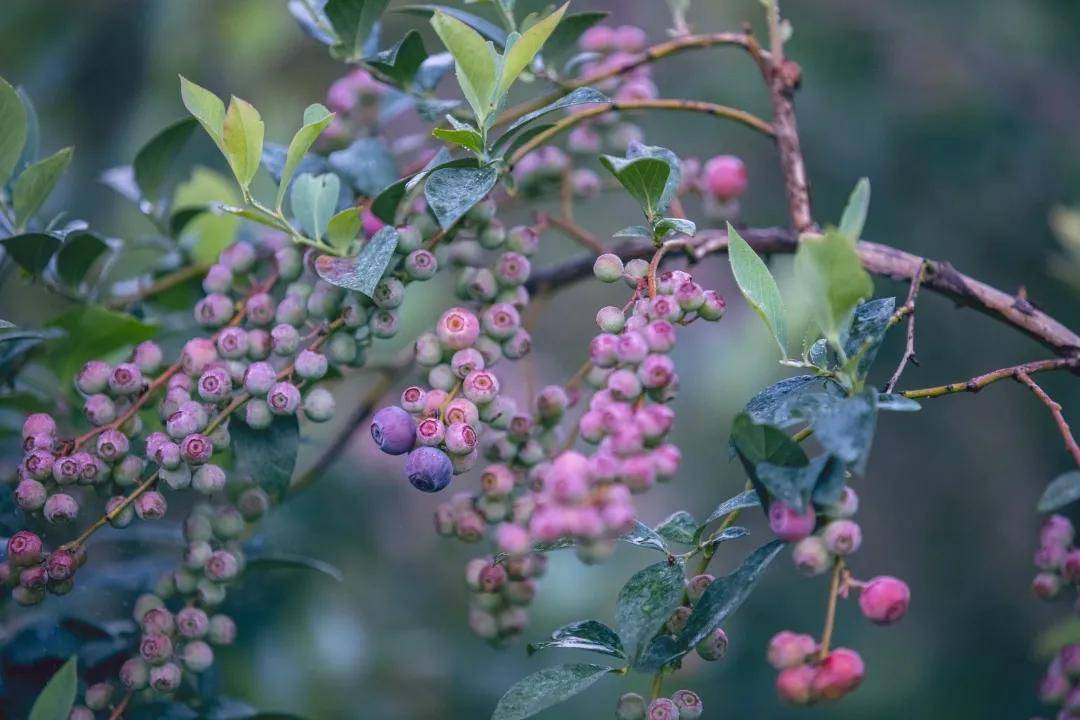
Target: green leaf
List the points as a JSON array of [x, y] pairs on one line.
[[31, 251], [867, 330], [156, 158], [78, 254], [474, 60], [775, 404], [266, 457], [386, 202], [644, 536], [742, 501], [13, 129], [452, 191], [289, 561], [564, 39], [1062, 490], [581, 96], [757, 285], [314, 198], [316, 118], [591, 635], [36, 182], [794, 485], [669, 225], [488, 29], [242, 136], [466, 136], [343, 229], [829, 269], [402, 61], [353, 21], [207, 108], [897, 403], [722, 598], [363, 272], [99, 332], [843, 426], [854, 217], [205, 234], [58, 697], [367, 164], [760, 443], [634, 231], [639, 150], [1050, 641], [646, 601], [521, 51], [545, 688], [678, 527], [644, 178], [731, 533]]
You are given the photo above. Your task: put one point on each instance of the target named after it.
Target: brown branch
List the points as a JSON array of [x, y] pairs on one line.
[[740, 116], [940, 277], [165, 282], [908, 308], [573, 231], [118, 711], [1055, 410]]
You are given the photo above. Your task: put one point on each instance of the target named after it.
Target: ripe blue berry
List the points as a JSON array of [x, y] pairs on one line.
[[428, 469], [125, 379], [393, 430], [259, 309]]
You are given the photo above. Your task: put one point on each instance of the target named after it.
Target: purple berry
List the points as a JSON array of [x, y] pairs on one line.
[[393, 430], [92, 379], [788, 524], [662, 709], [60, 508], [24, 548], [214, 310], [283, 398], [215, 385], [259, 309], [310, 365], [134, 674], [428, 469], [222, 630]]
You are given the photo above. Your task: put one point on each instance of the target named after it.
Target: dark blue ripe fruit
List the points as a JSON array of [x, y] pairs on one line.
[[429, 469], [393, 430]]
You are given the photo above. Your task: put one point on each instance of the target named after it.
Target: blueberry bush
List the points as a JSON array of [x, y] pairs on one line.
[[204, 426]]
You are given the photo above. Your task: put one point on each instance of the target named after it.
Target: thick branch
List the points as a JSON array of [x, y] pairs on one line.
[[940, 277]]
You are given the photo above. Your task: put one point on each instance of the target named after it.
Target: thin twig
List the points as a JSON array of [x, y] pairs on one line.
[[146, 484], [978, 382], [118, 711], [1055, 410], [908, 308], [163, 283], [573, 231]]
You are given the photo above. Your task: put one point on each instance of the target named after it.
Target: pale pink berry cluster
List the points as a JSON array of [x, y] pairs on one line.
[[805, 677], [1057, 558]]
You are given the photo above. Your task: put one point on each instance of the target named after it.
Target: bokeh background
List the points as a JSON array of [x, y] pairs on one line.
[[965, 116]]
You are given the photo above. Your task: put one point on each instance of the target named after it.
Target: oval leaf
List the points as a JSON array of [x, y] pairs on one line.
[[288, 561], [13, 129], [451, 191], [268, 456], [362, 272], [36, 183], [678, 527], [646, 601], [56, 700], [644, 536], [31, 251], [854, 217], [154, 160], [242, 136], [314, 198], [524, 48], [79, 252], [545, 688], [581, 96], [1064, 489], [474, 59], [831, 273], [316, 118], [742, 501]]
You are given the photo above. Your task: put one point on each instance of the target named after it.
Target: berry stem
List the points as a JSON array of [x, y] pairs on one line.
[[146, 484], [657, 685], [165, 282], [118, 711], [830, 610], [908, 308], [654, 264]]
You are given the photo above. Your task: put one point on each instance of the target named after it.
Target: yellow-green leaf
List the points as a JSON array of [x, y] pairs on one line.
[[56, 700], [520, 53], [829, 269], [207, 109], [343, 228], [35, 183], [757, 285], [854, 217], [242, 135], [316, 118], [474, 60], [208, 234], [13, 124]]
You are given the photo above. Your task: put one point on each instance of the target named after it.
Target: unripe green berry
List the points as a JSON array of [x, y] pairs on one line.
[[319, 405], [608, 268]]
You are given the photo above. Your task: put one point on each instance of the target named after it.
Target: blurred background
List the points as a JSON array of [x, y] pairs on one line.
[[965, 117]]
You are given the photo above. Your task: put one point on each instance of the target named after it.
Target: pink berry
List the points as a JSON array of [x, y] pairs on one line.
[[838, 674], [725, 177], [789, 525], [458, 328], [788, 649], [843, 537], [885, 599], [793, 685]]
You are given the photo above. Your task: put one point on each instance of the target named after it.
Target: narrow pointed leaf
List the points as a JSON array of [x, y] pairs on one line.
[[353, 21], [521, 53], [78, 254], [742, 501], [1062, 490], [451, 191], [678, 527], [58, 697], [581, 96], [646, 601], [290, 561], [316, 119], [474, 60], [156, 158], [206, 107], [757, 285], [591, 635], [36, 183], [851, 223], [402, 62], [644, 536], [242, 135], [644, 178], [14, 124]]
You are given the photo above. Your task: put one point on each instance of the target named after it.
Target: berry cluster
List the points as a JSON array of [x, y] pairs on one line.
[[682, 705], [1057, 559], [809, 671]]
